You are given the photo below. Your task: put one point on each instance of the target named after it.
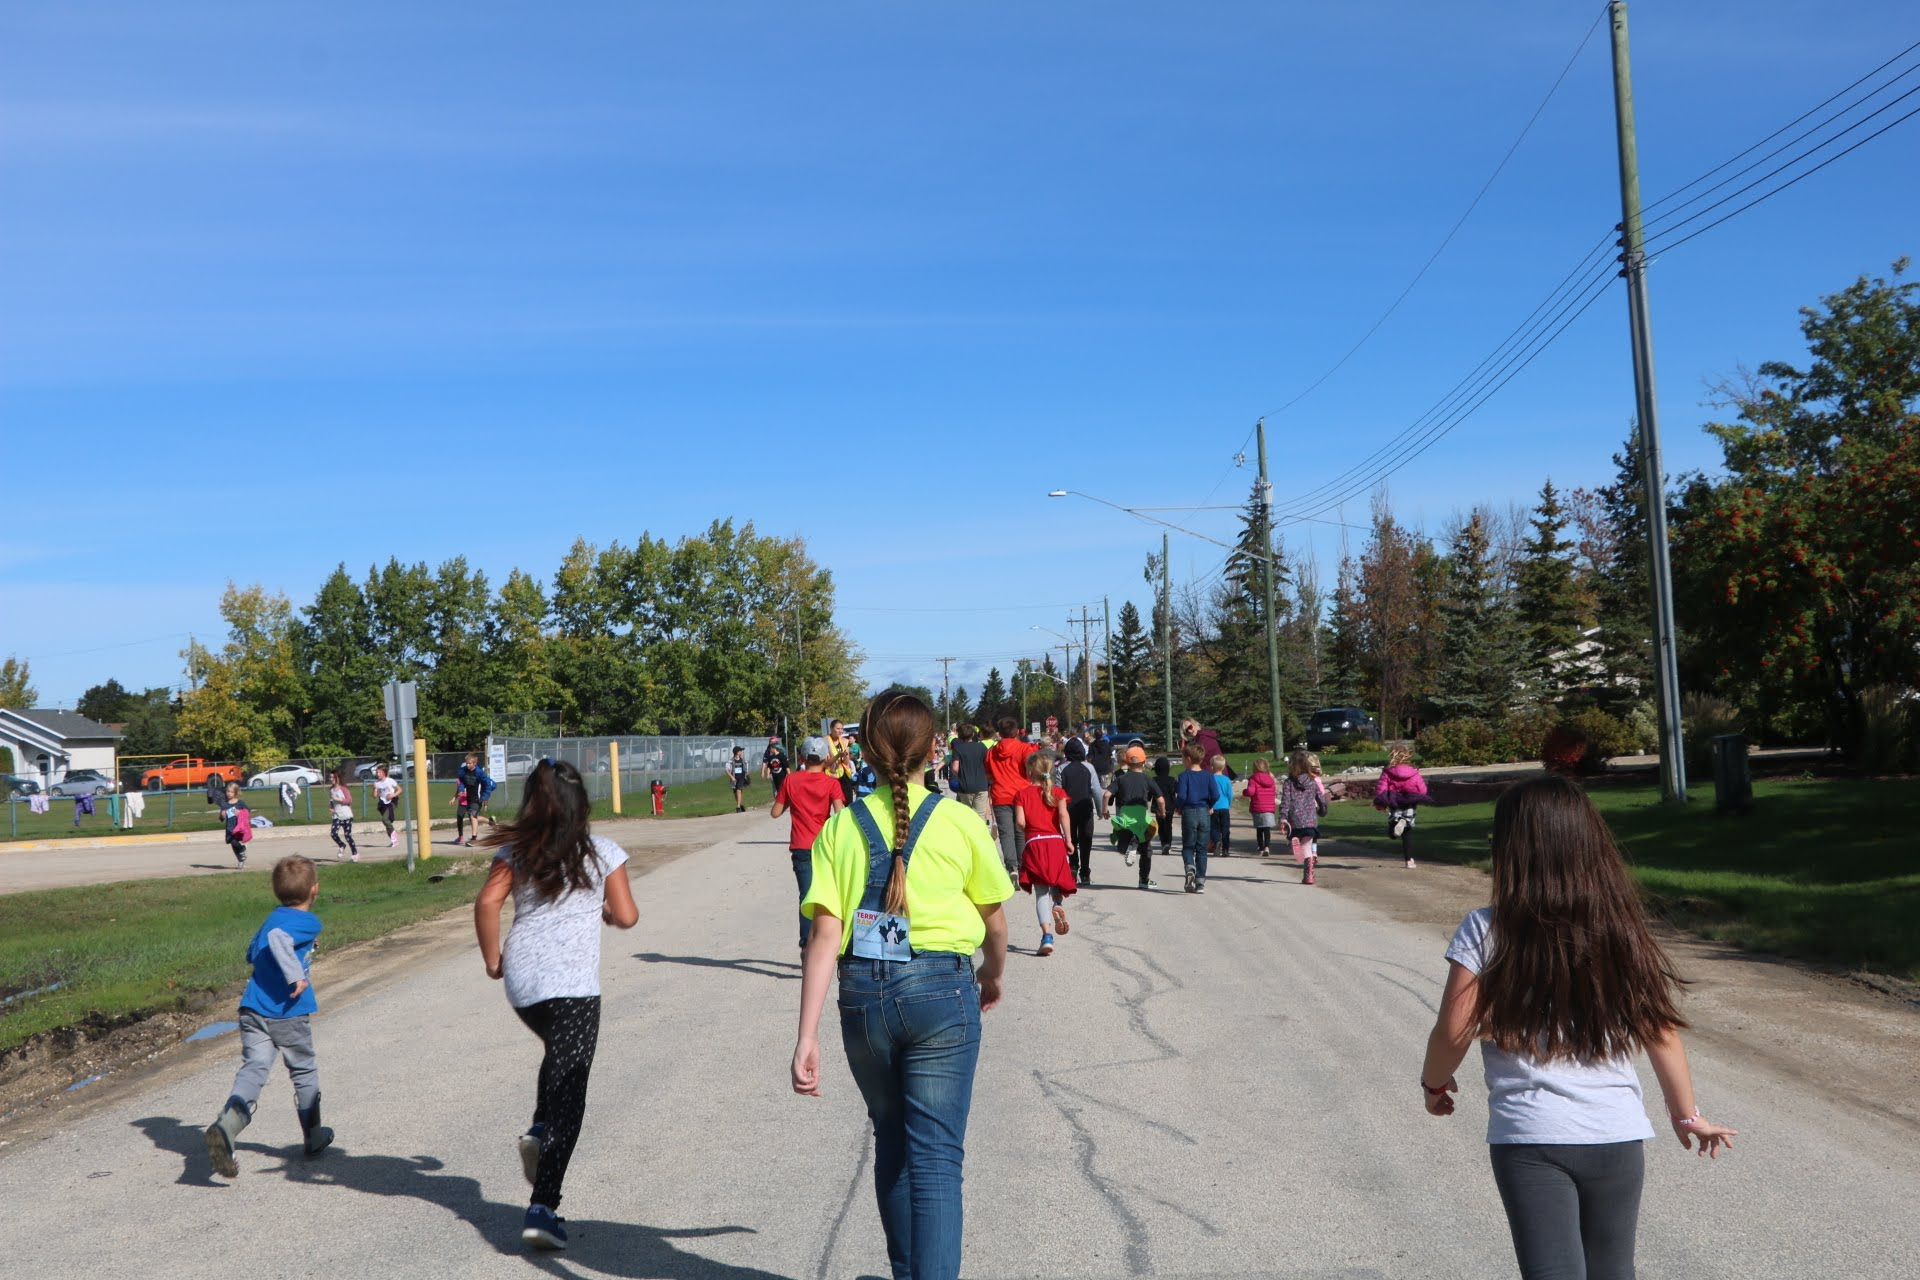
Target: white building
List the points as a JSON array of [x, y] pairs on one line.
[[47, 745]]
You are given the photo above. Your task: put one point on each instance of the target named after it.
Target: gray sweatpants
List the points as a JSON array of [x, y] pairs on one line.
[[1008, 834], [1573, 1210], [262, 1038]]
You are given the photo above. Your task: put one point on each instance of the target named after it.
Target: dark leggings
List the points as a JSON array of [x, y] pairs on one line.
[[1262, 837], [1080, 822], [1573, 1210], [570, 1028], [1223, 830], [343, 827], [1125, 840]]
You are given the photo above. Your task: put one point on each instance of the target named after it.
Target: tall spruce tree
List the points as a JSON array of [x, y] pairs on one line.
[[1547, 598], [1622, 592], [1482, 658], [1132, 661], [993, 699], [1343, 645]]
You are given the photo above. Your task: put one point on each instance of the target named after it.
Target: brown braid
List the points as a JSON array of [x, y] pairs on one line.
[[898, 730]]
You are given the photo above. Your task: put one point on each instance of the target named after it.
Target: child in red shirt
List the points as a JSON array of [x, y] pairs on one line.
[[1040, 812], [813, 795]]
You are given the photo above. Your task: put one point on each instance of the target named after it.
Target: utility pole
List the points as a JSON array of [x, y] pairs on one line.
[[946, 692], [1166, 639], [1106, 628], [1264, 506], [1086, 657], [1020, 675], [1666, 657]]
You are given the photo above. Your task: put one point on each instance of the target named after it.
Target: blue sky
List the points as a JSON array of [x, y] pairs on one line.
[[482, 278]]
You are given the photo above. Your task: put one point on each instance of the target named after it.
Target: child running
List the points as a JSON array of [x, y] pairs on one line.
[[237, 820], [385, 792], [1137, 805], [813, 795], [740, 776], [1302, 804], [1400, 792], [1195, 792], [565, 882], [1262, 806], [275, 1013], [1042, 812], [906, 887], [1168, 786], [1220, 833], [1562, 982], [340, 808], [1086, 799]]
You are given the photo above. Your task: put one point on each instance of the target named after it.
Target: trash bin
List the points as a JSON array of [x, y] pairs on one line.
[[1732, 774]]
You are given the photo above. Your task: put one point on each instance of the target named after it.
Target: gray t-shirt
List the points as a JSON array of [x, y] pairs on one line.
[[1552, 1103], [553, 948]]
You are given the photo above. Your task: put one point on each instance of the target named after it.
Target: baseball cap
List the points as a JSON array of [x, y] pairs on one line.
[[1136, 754], [814, 748]]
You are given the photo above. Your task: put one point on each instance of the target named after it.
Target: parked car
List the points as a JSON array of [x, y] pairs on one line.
[[1332, 726], [366, 771], [187, 773], [19, 784], [82, 782], [519, 766], [1124, 738], [300, 774]]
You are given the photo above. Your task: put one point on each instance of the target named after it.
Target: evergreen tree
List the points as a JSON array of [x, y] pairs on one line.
[[109, 703], [961, 708], [993, 699], [1132, 666], [1622, 591], [1343, 645], [1481, 654], [1548, 598]]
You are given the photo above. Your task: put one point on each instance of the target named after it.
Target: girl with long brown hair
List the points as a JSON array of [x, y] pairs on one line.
[[906, 887], [1561, 981], [1042, 812], [565, 882]]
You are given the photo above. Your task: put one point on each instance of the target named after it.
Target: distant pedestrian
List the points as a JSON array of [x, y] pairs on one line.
[[1196, 793], [1137, 810], [1100, 754], [1169, 787], [1400, 793], [1303, 802], [840, 759], [1192, 735], [909, 998], [1007, 767], [773, 763], [276, 1012], [1043, 814], [565, 882], [386, 792], [1263, 804], [1561, 981], [813, 797], [473, 787], [1220, 829], [740, 776], [237, 821], [967, 775], [340, 810], [1086, 800]]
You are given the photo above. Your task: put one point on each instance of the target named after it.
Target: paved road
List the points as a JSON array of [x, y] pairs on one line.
[[1203, 1087]]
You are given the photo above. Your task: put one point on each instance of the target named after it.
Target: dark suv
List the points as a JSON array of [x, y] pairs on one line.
[[1332, 726]]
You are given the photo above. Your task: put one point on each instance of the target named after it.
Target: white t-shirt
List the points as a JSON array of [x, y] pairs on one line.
[[553, 948], [384, 789], [1552, 1103]]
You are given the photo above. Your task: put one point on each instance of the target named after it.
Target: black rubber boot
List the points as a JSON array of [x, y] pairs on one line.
[[319, 1137], [220, 1135]]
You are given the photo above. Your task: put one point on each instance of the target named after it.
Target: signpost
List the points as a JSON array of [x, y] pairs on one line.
[[402, 707]]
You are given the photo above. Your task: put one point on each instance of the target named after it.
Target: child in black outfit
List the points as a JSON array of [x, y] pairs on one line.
[[1169, 787]]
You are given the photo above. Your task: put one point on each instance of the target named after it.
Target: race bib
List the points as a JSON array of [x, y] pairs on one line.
[[877, 935]]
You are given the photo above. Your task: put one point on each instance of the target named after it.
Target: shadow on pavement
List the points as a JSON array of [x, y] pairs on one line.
[[621, 1249], [759, 968]]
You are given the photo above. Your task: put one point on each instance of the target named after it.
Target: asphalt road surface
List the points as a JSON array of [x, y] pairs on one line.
[[1217, 1086]]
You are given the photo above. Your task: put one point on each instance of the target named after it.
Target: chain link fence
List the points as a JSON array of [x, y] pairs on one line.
[[643, 760]]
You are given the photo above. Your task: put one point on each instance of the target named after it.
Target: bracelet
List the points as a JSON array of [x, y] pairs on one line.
[[1689, 1122], [1432, 1092]]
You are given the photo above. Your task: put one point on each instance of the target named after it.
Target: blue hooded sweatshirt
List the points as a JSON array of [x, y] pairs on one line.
[[280, 962]]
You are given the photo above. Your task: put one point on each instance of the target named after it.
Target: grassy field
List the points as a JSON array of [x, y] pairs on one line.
[[1824, 869], [146, 945]]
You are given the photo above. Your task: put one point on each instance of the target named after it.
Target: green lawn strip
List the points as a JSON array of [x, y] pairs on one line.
[[140, 946], [1824, 869]]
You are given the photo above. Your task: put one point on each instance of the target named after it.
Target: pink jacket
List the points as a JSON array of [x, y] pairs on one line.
[[1262, 793], [1400, 787]]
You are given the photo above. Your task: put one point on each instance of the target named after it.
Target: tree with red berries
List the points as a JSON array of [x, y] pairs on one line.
[[1801, 568]]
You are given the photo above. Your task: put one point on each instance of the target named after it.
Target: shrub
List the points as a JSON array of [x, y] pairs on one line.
[[1565, 749], [1461, 741], [1585, 741], [1521, 732], [1889, 731], [1704, 717], [1642, 724]]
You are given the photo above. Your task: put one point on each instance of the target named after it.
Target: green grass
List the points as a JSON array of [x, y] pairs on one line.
[[1824, 869], [141, 946]]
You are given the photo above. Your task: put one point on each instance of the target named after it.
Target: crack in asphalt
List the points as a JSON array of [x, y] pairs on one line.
[[846, 1204]]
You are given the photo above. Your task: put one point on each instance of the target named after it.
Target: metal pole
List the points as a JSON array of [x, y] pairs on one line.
[[1264, 507], [1106, 628], [1166, 637], [946, 690], [1666, 658]]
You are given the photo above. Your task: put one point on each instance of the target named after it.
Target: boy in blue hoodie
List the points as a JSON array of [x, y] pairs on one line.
[[274, 1015]]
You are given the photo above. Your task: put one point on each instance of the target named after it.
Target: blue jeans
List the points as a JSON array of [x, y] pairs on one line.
[[911, 1029], [803, 875], [1196, 824]]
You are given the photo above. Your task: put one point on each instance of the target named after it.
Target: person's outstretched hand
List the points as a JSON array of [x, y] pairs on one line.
[[1712, 1136], [806, 1067]]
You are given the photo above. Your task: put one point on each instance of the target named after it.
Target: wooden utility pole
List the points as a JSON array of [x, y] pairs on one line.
[[1666, 656], [1264, 505], [1166, 639]]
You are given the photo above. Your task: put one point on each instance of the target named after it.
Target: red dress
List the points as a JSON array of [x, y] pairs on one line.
[[1044, 860]]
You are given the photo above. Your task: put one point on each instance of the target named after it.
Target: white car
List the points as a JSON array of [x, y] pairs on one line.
[[299, 774], [519, 766]]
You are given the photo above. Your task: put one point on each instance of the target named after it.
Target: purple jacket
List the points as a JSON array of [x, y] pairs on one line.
[[1400, 787], [1302, 802]]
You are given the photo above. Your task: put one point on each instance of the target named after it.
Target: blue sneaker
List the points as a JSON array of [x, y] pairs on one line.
[[530, 1151], [542, 1228], [1046, 945]]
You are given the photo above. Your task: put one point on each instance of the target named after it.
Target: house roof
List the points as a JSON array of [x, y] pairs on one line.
[[67, 724]]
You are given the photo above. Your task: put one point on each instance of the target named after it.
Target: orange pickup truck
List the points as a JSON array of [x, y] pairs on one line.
[[187, 774]]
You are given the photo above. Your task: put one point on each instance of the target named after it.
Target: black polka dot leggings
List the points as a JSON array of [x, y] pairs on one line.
[[570, 1028]]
